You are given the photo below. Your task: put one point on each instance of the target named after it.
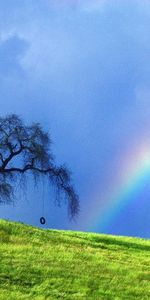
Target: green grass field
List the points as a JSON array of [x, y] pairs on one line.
[[50, 264]]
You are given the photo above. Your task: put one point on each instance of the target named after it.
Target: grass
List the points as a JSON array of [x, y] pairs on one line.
[[50, 264]]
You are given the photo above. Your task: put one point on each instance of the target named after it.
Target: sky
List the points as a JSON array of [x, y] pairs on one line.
[[82, 69]]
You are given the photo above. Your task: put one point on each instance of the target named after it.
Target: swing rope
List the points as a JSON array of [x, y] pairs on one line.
[[42, 219], [43, 199]]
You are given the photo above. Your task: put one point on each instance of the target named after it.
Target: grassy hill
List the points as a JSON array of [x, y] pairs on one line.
[[50, 264]]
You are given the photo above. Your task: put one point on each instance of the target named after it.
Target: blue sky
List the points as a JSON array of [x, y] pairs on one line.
[[82, 69]]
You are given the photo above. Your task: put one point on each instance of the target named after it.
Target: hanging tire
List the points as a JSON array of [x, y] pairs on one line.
[[42, 220]]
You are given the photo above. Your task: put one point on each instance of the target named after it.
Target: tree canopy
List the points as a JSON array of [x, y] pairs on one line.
[[26, 149]]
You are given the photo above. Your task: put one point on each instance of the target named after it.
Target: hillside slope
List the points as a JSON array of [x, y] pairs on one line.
[[50, 264]]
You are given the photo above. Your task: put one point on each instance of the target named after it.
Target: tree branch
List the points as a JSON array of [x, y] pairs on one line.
[[9, 158], [29, 167]]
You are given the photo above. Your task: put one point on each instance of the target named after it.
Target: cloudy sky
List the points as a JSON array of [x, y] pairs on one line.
[[82, 69]]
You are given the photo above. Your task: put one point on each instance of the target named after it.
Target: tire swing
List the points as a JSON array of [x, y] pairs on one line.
[[42, 219]]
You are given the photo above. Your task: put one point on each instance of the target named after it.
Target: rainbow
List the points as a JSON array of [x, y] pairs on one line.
[[135, 179]]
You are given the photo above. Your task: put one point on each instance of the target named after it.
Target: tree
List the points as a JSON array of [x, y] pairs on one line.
[[27, 150]]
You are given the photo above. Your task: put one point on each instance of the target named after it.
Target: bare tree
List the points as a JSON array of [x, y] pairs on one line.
[[27, 150]]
